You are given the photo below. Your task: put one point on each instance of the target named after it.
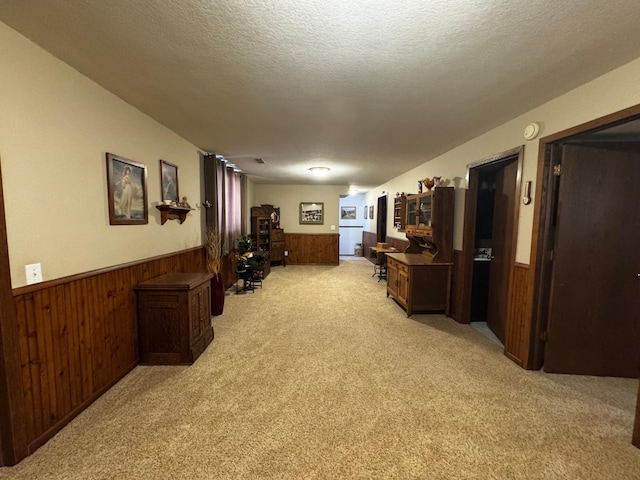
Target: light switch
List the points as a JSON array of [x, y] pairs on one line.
[[34, 273], [333, 227]]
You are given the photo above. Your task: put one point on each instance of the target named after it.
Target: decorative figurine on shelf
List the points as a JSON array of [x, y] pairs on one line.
[[429, 183], [184, 203], [436, 181], [419, 186]]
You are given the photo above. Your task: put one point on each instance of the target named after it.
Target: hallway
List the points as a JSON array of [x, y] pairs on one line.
[[318, 375]]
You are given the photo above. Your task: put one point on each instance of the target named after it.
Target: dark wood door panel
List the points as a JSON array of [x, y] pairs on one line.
[[502, 248], [594, 308]]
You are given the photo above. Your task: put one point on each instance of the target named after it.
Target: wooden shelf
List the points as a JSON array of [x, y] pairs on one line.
[[172, 212]]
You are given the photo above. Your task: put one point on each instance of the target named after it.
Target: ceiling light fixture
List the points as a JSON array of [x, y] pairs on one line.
[[319, 171]]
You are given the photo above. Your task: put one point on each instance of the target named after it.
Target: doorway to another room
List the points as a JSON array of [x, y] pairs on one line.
[[351, 224], [489, 239], [588, 264]]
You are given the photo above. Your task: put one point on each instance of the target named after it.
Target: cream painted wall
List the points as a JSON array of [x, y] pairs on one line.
[[55, 127], [607, 94], [251, 195], [288, 198]]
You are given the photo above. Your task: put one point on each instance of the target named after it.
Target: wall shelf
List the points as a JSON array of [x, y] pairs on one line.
[[172, 212]]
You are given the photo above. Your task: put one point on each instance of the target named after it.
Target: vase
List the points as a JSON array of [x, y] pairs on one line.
[[217, 295]]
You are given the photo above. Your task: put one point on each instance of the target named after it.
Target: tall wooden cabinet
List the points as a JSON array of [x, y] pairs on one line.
[[419, 280], [430, 223], [266, 232]]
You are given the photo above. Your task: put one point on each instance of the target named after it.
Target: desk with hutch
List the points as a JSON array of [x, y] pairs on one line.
[[419, 280]]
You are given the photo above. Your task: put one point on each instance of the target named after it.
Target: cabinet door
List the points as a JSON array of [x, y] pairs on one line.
[[277, 252], [392, 278], [403, 284]]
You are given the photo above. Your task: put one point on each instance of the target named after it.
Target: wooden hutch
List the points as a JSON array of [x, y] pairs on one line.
[[420, 279], [266, 232]]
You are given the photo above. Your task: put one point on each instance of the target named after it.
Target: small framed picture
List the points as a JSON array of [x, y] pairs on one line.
[[127, 191], [347, 213], [371, 212], [311, 213], [366, 210], [169, 181]]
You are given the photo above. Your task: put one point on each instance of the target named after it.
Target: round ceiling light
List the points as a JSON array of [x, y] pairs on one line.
[[319, 170]]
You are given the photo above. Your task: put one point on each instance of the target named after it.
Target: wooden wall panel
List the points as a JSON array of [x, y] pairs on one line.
[[398, 243], [516, 344], [79, 335], [305, 249], [369, 239], [457, 285]]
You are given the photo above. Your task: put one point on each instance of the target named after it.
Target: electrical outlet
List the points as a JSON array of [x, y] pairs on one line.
[[286, 253], [34, 273]]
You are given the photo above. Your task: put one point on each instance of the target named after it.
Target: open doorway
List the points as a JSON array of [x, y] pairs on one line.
[[587, 317], [489, 240], [381, 219]]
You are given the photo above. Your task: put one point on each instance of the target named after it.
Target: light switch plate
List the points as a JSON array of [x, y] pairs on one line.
[[34, 273]]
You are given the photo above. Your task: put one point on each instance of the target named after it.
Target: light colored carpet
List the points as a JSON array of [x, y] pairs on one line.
[[320, 376]]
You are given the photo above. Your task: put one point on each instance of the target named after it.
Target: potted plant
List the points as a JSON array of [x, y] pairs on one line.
[[213, 256], [249, 263]]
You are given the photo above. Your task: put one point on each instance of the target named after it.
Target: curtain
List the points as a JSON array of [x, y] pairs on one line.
[[225, 191]]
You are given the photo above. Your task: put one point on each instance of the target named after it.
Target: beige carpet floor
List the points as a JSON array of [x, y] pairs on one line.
[[320, 376]]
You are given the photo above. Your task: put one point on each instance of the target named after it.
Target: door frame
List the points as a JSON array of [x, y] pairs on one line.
[[13, 439], [469, 228], [541, 242]]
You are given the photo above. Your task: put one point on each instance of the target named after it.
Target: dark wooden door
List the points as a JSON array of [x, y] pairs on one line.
[[594, 307], [502, 248], [381, 220]]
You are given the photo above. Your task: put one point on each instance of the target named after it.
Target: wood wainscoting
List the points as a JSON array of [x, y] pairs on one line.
[[369, 239], [312, 249], [518, 325], [78, 336]]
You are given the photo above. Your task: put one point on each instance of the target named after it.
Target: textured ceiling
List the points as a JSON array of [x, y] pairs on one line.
[[369, 88]]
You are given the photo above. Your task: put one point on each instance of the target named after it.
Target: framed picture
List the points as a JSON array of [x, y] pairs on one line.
[[311, 213], [347, 213], [169, 181], [366, 210], [127, 191], [371, 212]]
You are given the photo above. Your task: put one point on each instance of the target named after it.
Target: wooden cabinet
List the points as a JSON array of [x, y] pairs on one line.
[[174, 318], [266, 232], [277, 245], [429, 223], [261, 232], [400, 212], [420, 279], [418, 284]]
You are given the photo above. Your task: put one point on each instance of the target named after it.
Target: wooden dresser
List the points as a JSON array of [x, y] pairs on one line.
[[174, 318], [418, 283]]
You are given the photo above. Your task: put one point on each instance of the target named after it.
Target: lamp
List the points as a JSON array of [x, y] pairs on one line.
[[319, 171]]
